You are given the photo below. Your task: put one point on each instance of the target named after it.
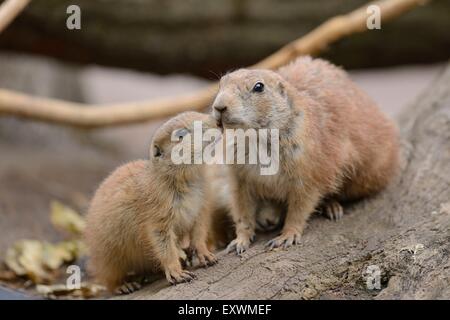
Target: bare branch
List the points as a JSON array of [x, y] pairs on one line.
[[9, 11], [88, 116]]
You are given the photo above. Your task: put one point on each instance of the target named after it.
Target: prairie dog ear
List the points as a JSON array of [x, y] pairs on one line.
[[156, 152], [281, 89]]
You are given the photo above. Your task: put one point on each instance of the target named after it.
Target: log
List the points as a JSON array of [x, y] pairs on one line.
[[403, 231], [176, 36]]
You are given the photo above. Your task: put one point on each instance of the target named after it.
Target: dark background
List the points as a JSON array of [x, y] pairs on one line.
[[203, 37]]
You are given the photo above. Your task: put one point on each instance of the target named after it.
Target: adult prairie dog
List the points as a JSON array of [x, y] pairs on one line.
[[335, 144], [145, 211]]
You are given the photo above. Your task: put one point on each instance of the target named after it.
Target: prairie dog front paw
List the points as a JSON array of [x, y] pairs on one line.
[[178, 275], [240, 244], [285, 239], [205, 257]]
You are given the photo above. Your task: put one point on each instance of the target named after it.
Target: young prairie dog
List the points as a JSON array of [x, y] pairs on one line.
[[334, 145], [145, 212]]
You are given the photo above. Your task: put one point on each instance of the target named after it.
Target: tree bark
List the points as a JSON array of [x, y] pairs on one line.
[[205, 36], [403, 231]]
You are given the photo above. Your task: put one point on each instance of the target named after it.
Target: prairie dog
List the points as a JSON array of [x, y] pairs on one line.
[[145, 211], [335, 144]]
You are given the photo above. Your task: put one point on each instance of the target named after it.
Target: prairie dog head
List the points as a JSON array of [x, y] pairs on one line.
[[251, 99], [175, 134]]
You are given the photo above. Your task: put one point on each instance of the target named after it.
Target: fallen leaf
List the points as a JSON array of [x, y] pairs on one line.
[[66, 219], [55, 255], [11, 261], [39, 260], [28, 255], [76, 248]]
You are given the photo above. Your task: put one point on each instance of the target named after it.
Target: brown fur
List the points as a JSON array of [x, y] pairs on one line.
[[334, 142], [144, 210], [268, 216]]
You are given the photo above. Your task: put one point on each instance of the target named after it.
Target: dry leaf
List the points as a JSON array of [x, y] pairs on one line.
[[24, 258], [38, 260], [55, 255], [11, 261], [67, 219]]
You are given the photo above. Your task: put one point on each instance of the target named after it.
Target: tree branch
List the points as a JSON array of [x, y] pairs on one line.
[[9, 10], [89, 116]]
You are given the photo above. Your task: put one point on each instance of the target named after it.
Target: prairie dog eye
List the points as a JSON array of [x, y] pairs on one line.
[[157, 151], [258, 87], [180, 133]]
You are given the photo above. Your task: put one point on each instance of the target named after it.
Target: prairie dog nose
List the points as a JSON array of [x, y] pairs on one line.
[[220, 108]]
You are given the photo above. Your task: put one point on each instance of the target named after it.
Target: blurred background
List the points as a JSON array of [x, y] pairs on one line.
[[132, 50]]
